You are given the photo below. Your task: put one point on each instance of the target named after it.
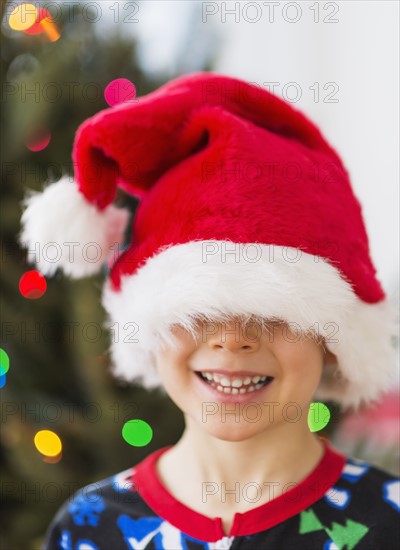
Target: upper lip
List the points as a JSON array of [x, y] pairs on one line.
[[234, 373]]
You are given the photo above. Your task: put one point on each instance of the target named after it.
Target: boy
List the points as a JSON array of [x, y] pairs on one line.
[[252, 292]]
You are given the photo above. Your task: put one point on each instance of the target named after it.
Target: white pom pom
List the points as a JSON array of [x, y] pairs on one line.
[[61, 229]]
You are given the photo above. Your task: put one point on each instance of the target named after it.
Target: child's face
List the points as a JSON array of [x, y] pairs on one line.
[[234, 407]]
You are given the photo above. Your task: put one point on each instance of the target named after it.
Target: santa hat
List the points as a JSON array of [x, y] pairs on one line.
[[245, 210]]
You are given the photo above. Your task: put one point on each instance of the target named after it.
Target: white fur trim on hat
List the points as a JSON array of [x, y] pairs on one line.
[[63, 230], [184, 281]]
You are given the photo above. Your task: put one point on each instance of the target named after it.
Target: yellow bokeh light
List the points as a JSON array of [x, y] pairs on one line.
[[22, 17], [48, 443]]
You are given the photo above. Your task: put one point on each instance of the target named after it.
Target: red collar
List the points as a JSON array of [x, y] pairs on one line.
[[291, 502]]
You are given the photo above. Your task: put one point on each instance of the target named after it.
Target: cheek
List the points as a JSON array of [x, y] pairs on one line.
[[301, 362], [173, 370]]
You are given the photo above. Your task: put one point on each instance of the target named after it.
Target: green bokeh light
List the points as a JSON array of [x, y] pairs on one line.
[[4, 362], [137, 433], [318, 416]]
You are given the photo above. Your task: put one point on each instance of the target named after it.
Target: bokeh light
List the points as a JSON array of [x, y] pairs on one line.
[[4, 362], [50, 29], [137, 433], [22, 17], [52, 459], [32, 285], [36, 27], [4, 366], [120, 90], [39, 140], [48, 443], [318, 416], [32, 20]]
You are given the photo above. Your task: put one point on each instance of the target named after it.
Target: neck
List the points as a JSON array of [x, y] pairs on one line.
[[287, 453]]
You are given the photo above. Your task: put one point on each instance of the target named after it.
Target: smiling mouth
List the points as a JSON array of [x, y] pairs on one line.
[[235, 386]]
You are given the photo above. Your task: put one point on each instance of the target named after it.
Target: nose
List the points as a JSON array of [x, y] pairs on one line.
[[232, 336]]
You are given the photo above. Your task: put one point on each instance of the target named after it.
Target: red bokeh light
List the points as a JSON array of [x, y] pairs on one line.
[[32, 285], [37, 28]]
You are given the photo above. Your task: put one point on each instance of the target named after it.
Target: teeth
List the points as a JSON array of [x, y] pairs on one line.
[[234, 386], [237, 382]]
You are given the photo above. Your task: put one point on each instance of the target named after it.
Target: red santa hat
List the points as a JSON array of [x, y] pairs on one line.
[[245, 210]]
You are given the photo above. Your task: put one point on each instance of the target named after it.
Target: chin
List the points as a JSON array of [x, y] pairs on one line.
[[231, 431]]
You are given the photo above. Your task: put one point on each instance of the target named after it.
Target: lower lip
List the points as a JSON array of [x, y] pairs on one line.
[[207, 392]]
